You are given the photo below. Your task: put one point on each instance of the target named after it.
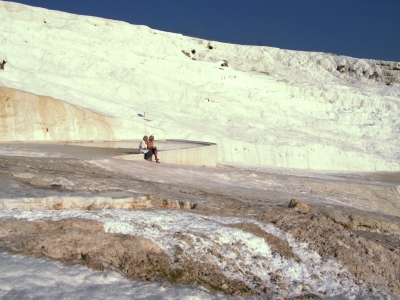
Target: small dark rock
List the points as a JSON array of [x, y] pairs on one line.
[[186, 53]]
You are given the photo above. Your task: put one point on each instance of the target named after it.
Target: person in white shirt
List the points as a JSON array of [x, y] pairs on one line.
[[143, 149]]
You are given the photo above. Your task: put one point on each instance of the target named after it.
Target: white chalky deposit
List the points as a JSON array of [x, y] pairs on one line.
[[30, 278], [238, 254], [269, 107]]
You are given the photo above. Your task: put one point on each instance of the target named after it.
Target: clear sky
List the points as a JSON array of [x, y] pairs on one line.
[[357, 28]]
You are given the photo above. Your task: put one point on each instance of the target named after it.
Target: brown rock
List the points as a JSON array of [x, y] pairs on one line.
[[297, 205]]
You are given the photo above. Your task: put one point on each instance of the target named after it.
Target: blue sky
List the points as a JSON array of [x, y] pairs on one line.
[[357, 28]]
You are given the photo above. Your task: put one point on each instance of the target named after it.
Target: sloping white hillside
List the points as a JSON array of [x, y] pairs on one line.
[[268, 107]]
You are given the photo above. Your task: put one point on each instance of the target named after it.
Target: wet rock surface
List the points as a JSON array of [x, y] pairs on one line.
[[366, 244]]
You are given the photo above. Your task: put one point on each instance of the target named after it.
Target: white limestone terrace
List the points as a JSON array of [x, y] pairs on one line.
[[268, 107], [182, 152], [162, 145], [215, 240]]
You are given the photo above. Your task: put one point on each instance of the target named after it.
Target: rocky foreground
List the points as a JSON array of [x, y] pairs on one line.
[[358, 249]]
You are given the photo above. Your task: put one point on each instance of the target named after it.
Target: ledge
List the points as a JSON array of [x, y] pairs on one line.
[[201, 154]]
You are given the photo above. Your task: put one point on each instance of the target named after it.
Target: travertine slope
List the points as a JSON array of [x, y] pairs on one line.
[[263, 106]]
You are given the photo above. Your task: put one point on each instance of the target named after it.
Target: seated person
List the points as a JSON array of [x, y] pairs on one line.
[[151, 147], [144, 149]]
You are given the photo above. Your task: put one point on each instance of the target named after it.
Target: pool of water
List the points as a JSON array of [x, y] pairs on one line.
[[161, 145]]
